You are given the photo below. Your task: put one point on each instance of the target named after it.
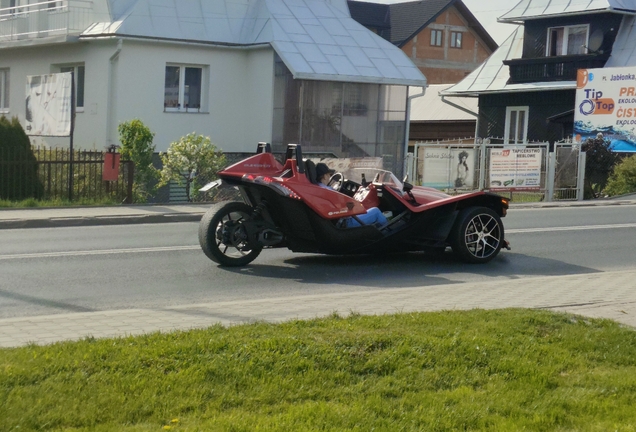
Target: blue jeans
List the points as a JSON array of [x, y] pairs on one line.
[[372, 216]]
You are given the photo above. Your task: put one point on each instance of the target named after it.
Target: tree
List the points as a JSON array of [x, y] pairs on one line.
[[136, 146], [623, 179], [192, 160], [18, 166], [599, 163]]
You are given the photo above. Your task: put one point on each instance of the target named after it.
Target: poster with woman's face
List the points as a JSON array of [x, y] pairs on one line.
[[48, 105], [446, 168]]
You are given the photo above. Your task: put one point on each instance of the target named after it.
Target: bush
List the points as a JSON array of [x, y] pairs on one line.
[[599, 162], [136, 145], [18, 166], [192, 160], [623, 179]]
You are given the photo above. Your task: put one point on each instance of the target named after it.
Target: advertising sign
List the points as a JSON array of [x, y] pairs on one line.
[[48, 105], [606, 104], [446, 168], [515, 169]]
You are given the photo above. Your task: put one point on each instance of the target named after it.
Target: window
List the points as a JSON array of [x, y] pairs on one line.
[[183, 88], [436, 37], [4, 90], [78, 72], [456, 40], [569, 40], [516, 125]]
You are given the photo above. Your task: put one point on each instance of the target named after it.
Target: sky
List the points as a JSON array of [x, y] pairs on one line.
[[487, 12]]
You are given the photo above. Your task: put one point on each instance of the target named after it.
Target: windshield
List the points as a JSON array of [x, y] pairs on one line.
[[373, 175]]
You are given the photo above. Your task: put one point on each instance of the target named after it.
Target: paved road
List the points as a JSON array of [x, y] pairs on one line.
[[155, 275]]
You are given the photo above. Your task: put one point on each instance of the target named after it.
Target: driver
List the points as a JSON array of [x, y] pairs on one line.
[[373, 214]]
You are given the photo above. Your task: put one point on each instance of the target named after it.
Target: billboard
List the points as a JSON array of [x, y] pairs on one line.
[[515, 169], [606, 104], [48, 105], [446, 168]]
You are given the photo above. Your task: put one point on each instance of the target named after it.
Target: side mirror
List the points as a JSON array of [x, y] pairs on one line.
[[407, 187]]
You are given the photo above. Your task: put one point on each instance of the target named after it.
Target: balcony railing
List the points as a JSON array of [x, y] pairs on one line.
[[559, 68], [45, 19]]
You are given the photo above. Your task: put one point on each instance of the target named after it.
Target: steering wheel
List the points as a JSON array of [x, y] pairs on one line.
[[336, 181]]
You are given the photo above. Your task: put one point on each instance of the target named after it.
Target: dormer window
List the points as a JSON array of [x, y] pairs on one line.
[[568, 40]]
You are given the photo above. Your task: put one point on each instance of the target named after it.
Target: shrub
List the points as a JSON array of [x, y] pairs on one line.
[[623, 179], [192, 160], [599, 162], [136, 145], [18, 166]]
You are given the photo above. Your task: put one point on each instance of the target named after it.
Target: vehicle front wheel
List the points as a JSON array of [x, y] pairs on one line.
[[478, 235], [223, 236]]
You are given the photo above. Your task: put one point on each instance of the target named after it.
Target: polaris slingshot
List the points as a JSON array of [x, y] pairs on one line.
[[284, 207]]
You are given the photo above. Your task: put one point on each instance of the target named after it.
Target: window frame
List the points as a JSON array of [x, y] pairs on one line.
[[80, 82], [526, 114], [181, 96], [5, 86], [563, 49], [437, 37], [456, 38]]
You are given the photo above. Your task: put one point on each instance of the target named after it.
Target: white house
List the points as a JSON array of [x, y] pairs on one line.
[[239, 71]]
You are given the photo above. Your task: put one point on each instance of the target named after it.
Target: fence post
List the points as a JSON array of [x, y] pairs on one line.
[[482, 166], [129, 185], [549, 193], [580, 190]]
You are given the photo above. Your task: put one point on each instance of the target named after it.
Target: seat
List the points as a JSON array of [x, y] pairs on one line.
[[310, 171]]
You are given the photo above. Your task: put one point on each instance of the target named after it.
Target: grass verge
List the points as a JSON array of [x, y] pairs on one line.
[[33, 203], [476, 370]]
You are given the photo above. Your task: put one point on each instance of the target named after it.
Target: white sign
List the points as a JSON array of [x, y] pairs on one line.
[[515, 168], [48, 105], [446, 168], [606, 104]]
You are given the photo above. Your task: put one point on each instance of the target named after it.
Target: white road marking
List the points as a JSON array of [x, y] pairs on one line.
[[568, 228]]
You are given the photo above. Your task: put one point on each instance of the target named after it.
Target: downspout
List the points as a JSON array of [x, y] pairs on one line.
[[110, 96], [408, 125]]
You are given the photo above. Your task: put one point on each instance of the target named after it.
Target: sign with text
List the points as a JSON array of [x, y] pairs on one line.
[[606, 104], [446, 168], [48, 105], [515, 169]]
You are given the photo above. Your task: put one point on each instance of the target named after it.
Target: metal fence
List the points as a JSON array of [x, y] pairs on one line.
[[62, 175]]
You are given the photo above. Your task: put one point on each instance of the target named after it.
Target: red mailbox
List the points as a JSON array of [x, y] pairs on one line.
[[111, 164]]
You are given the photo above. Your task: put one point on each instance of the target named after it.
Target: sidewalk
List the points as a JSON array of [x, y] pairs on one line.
[[600, 295], [117, 215]]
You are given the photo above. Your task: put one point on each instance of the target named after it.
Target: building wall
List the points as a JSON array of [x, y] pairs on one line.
[[542, 105], [444, 64], [239, 91]]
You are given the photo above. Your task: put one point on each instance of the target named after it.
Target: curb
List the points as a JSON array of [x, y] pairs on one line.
[[99, 220]]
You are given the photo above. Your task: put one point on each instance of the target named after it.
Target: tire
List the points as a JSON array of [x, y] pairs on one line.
[[222, 235], [478, 235]]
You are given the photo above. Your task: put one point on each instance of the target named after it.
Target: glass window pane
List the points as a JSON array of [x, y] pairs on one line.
[[192, 91], [521, 126], [171, 92], [79, 87], [4, 89], [512, 131], [577, 40]]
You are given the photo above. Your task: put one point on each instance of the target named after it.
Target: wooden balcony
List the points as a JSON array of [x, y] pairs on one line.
[[558, 68]]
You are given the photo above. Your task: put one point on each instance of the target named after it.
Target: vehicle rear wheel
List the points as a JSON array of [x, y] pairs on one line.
[[223, 237], [477, 235]]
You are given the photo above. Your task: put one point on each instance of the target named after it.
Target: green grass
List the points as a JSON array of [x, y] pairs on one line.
[[478, 370], [34, 203]]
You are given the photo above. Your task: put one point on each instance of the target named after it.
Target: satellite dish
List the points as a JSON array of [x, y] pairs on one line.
[[596, 40]]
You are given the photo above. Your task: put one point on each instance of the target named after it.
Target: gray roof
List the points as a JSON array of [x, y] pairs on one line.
[[316, 39], [533, 9]]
